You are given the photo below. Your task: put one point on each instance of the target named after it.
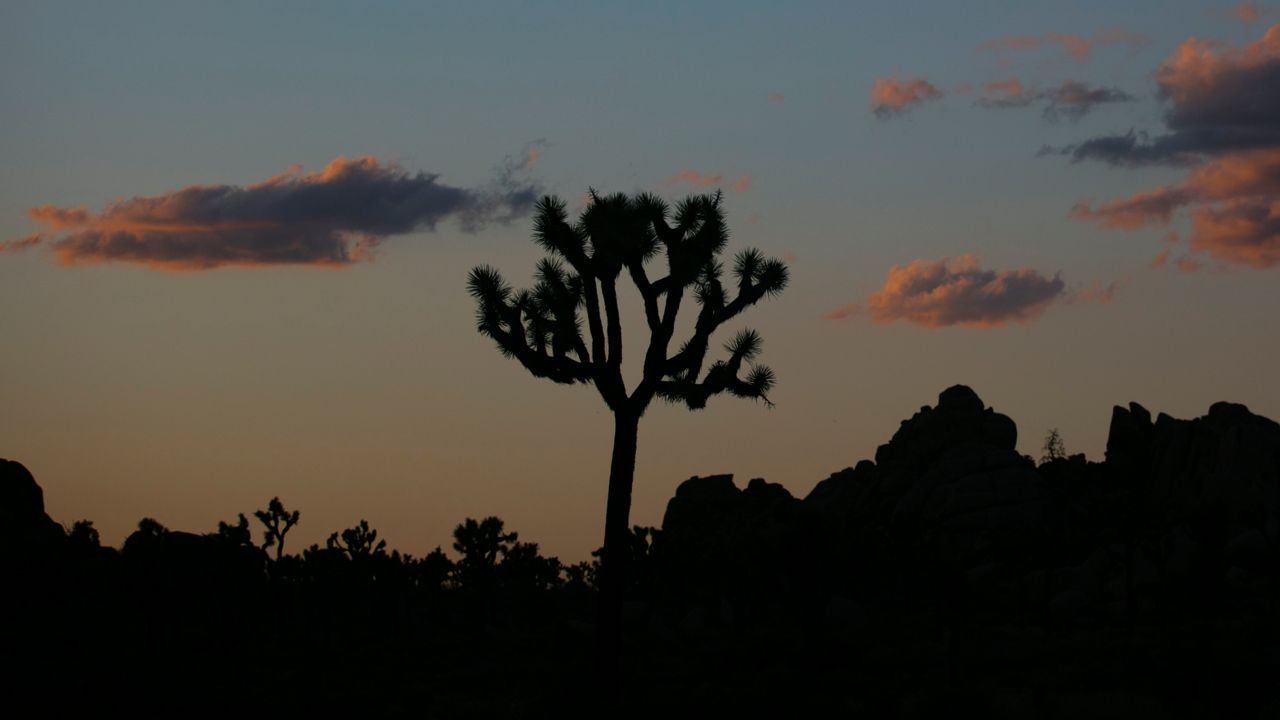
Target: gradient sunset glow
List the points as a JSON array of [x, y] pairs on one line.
[[234, 241]]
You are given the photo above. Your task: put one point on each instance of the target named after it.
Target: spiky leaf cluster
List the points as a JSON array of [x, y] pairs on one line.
[[543, 327]]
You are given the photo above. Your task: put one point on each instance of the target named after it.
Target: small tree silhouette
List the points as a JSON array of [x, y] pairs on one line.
[[1054, 449], [357, 542], [238, 533], [277, 522], [83, 534], [542, 329], [524, 568], [480, 543]]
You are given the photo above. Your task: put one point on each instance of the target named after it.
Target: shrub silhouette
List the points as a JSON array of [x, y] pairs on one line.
[[542, 329]]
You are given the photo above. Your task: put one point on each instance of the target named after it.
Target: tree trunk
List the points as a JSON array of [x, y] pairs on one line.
[[614, 560]]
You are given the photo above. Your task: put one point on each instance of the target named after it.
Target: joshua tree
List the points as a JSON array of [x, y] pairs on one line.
[[357, 542], [277, 522], [542, 328]]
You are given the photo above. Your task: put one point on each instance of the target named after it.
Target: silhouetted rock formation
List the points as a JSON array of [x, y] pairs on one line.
[[1229, 459], [950, 528], [24, 525]]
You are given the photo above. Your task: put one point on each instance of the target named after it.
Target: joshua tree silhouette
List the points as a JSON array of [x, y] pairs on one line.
[[1054, 448], [359, 542], [277, 522], [541, 328]]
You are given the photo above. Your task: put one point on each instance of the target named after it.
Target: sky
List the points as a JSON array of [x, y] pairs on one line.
[[234, 239]]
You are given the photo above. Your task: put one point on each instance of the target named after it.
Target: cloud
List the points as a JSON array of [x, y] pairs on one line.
[[891, 96], [777, 98], [1003, 93], [333, 217], [57, 217], [1222, 122], [1074, 100], [693, 177], [1217, 99], [1161, 259], [1076, 46], [1138, 210], [742, 184], [20, 244], [1233, 202], [1242, 232], [1071, 99], [946, 292]]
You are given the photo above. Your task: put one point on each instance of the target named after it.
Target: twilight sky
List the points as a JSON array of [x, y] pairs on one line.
[[234, 239]]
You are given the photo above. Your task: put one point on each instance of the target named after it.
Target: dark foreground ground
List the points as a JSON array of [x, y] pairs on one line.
[[950, 577]]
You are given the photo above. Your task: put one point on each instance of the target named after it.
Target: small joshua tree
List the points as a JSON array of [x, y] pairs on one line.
[[357, 542], [1054, 448], [542, 328], [277, 522]]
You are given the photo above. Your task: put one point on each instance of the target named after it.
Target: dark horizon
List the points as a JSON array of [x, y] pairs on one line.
[[906, 584]]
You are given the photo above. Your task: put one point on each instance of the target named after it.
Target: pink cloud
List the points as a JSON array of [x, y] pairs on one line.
[[21, 244], [1002, 89], [891, 96], [693, 177], [333, 217], [946, 292], [777, 98], [1076, 46], [1161, 259], [58, 217], [1241, 232], [1233, 202]]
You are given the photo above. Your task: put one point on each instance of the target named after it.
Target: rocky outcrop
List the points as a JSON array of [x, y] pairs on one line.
[[1229, 458], [950, 470], [25, 527], [1182, 514]]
